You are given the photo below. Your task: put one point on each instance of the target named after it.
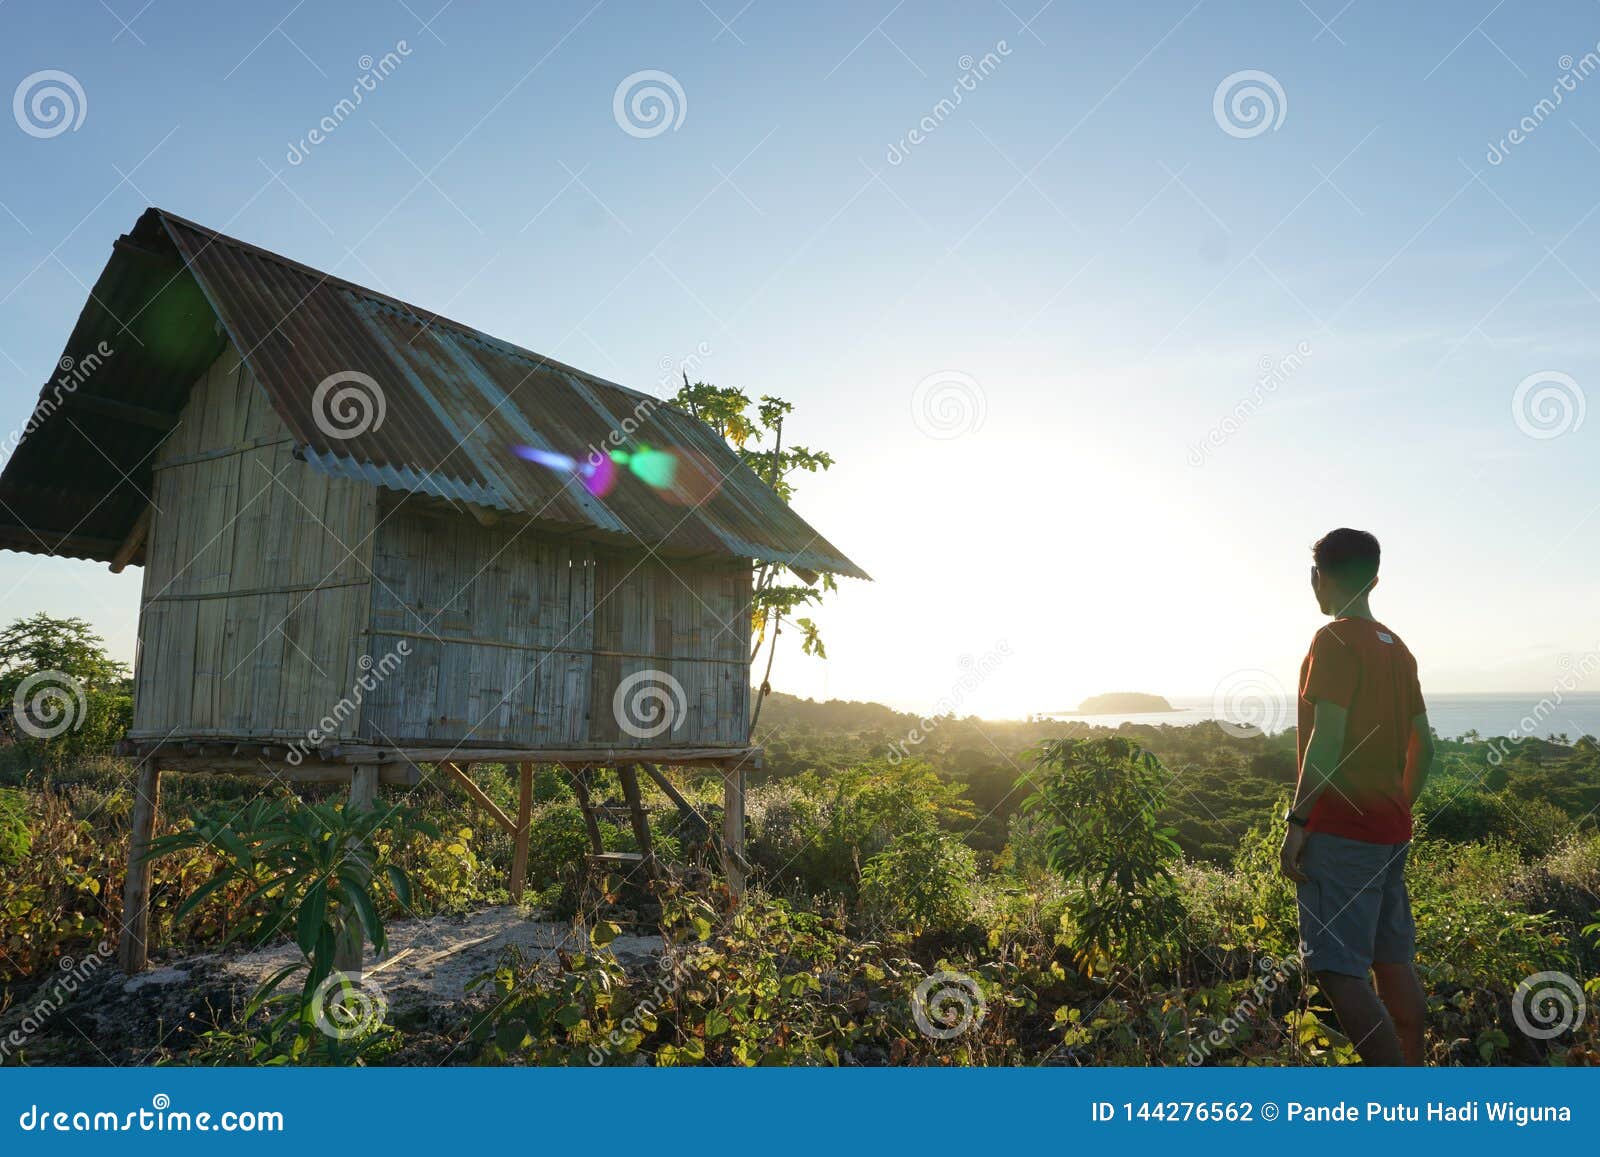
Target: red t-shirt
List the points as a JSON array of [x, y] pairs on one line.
[[1363, 667]]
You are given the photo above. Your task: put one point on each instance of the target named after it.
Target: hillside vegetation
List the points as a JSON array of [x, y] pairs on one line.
[[925, 891]]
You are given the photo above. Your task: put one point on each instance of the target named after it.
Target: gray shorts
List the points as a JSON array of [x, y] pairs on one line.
[[1354, 909]]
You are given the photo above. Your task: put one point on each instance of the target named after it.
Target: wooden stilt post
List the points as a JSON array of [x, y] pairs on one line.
[[733, 861], [347, 954], [628, 773], [519, 855], [134, 949], [580, 788]]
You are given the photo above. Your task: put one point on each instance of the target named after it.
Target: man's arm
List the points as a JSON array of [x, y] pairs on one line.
[[1419, 758], [1323, 752]]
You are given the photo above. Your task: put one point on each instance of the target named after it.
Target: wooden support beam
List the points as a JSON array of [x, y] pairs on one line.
[[134, 543], [519, 855], [122, 412], [349, 946], [628, 774], [134, 948], [481, 797], [580, 788], [32, 540], [733, 861], [676, 796]]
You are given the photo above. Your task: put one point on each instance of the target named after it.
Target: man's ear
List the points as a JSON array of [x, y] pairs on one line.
[[1372, 584]]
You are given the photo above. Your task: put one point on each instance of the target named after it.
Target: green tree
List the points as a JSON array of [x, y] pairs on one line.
[[1102, 798], [755, 431], [62, 698]]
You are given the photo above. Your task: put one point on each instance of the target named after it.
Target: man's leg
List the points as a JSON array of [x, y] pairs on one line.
[[1401, 993], [1363, 1018]]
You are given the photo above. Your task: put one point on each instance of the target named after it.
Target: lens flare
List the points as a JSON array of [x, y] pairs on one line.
[[599, 472]]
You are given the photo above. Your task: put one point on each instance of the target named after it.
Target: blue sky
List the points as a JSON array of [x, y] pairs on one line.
[[1080, 262]]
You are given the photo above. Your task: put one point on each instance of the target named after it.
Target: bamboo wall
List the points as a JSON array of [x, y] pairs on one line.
[[256, 575], [520, 638], [273, 593]]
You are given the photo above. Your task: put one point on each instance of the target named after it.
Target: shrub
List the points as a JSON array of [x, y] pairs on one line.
[[1103, 797], [922, 880]]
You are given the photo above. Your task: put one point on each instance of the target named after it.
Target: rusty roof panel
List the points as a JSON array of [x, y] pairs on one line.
[[455, 402]]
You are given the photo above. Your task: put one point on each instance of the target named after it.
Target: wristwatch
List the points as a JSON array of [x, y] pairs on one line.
[[1290, 818]]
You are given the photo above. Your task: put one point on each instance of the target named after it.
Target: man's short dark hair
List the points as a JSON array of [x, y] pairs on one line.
[[1350, 557]]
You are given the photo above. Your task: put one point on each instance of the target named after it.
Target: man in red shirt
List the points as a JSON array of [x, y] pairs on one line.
[[1365, 749]]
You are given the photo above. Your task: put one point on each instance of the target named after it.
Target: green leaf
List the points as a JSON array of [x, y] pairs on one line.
[[400, 884], [200, 894], [313, 913]]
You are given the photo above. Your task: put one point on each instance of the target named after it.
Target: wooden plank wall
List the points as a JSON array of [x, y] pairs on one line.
[[518, 637], [256, 578]]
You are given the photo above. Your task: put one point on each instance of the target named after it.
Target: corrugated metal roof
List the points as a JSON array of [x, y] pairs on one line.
[[455, 402]]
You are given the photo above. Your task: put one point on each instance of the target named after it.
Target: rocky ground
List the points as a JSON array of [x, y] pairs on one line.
[[93, 1014]]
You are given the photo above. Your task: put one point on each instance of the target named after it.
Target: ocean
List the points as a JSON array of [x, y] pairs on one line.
[[1489, 714]]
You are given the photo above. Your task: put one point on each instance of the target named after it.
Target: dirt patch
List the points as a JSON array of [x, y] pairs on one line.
[[118, 1020]]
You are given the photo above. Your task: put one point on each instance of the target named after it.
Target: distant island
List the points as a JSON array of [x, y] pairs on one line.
[[1123, 702]]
